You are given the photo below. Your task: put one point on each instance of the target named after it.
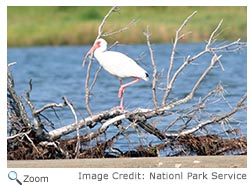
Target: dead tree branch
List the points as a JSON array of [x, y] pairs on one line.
[[15, 105], [212, 39], [50, 106], [215, 119], [177, 38], [76, 122], [133, 22], [21, 135], [154, 81]]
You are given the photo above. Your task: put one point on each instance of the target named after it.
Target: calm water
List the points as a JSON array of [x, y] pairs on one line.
[[57, 72]]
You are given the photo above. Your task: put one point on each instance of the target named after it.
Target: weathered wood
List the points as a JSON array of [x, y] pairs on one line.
[[90, 122], [16, 103]]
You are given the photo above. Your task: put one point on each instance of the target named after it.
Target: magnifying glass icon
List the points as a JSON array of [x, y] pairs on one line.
[[13, 176]]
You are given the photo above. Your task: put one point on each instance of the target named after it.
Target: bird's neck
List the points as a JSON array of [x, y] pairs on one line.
[[98, 54]]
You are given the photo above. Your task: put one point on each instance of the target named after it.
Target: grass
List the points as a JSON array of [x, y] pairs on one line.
[[29, 26]]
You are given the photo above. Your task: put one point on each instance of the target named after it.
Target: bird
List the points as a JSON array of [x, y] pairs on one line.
[[117, 64]]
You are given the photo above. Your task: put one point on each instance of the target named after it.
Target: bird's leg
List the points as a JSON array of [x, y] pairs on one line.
[[122, 90], [122, 87], [121, 107], [120, 95]]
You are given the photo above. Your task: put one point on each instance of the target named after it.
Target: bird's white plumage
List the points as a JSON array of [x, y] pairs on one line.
[[120, 65], [116, 63]]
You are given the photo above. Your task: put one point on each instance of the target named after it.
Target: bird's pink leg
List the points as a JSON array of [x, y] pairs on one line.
[[122, 90], [122, 87], [121, 107]]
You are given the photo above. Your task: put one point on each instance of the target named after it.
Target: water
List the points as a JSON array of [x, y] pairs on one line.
[[57, 72]]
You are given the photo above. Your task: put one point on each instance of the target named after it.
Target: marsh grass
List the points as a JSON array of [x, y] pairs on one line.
[[78, 25]]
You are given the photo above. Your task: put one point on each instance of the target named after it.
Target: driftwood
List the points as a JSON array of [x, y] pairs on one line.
[[28, 138]]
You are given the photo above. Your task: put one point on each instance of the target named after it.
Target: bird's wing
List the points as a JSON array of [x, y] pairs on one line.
[[121, 66]]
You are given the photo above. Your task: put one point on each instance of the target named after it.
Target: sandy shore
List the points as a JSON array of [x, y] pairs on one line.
[[158, 162]]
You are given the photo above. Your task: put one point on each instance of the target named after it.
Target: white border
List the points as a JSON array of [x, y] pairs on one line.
[[126, 2], [3, 84]]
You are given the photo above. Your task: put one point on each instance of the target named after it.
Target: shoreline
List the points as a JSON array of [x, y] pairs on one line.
[[57, 26], [239, 161]]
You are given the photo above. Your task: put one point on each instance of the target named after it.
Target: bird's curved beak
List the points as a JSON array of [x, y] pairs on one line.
[[93, 48], [90, 52]]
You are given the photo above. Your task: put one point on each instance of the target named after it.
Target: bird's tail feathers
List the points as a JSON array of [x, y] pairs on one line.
[[146, 77]]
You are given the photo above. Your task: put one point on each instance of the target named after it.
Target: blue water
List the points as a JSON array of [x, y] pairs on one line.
[[57, 72]]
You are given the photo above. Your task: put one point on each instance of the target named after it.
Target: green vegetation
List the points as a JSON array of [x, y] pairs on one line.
[[78, 25]]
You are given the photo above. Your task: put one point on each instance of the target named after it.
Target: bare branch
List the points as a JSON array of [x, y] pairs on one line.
[[211, 39], [133, 22], [27, 137], [50, 105], [77, 127], [95, 78], [154, 81], [214, 119], [87, 89], [36, 119], [189, 59], [90, 121], [230, 47], [214, 60], [49, 144], [13, 63], [111, 121], [16, 103], [140, 117], [100, 29], [177, 37]]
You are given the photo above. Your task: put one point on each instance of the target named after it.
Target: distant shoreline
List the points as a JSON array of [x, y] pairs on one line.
[[40, 26]]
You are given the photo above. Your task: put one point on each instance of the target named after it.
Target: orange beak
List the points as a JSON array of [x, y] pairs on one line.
[[90, 52]]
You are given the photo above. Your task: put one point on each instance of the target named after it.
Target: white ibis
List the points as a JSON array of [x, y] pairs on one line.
[[118, 65]]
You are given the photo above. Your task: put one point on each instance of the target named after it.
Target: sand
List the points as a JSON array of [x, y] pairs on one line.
[[156, 162]]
